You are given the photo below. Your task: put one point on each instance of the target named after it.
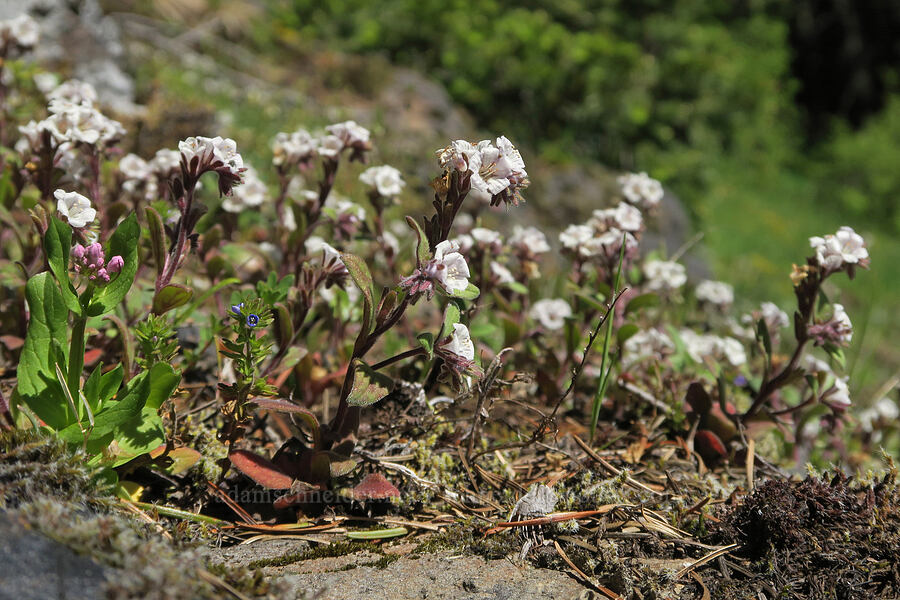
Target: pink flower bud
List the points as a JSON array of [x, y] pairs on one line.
[[95, 254], [115, 264], [78, 252], [103, 276]]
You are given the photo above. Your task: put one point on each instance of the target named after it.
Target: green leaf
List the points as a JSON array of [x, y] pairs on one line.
[[57, 244], [91, 388], [470, 293], [377, 534], [642, 301], [123, 242], [157, 238], [360, 274], [109, 385], [762, 333], [625, 332], [163, 381], [517, 287], [369, 386], [47, 333], [426, 340], [423, 253], [171, 296], [452, 316]]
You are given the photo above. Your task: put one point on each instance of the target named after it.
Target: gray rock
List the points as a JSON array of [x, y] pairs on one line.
[[34, 567]]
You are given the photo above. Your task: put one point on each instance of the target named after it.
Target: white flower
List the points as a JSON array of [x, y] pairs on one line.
[[641, 190], [74, 91], [840, 393], [460, 342], [530, 239], [75, 207], [349, 132], [486, 237], [329, 146], [458, 155], [500, 169], [699, 346], [550, 313], [45, 82], [574, 236], [842, 319], [715, 292], [609, 244], [502, 274], [773, 315], [815, 365], [344, 208], [79, 123], [664, 275], [165, 161], [252, 192], [390, 240], [449, 267], [133, 167], [624, 217], [21, 30], [386, 180], [293, 148], [732, 350], [464, 241], [316, 245], [649, 343], [288, 219], [885, 411], [844, 247], [217, 148]]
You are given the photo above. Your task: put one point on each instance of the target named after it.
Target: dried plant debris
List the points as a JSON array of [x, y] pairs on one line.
[[819, 538]]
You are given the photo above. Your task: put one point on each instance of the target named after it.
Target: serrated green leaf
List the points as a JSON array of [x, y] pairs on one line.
[[57, 244], [170, 297], [47, 334], [369, 386], [123, 242]]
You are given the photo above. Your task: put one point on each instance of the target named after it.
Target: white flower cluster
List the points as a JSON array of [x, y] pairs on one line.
[[73, 120], [699, 346], [252, 192], [385, 180], [641, 190], [604, 232], [206, 149], [301, 148], [717, 293], [551, 313], [846, 247], [648, 343], [838, 393], [496, 172], [529, 240], [664, 275], [883, 411], [22, 32]]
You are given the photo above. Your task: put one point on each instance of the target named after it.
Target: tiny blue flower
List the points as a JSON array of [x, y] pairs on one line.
[[252, 320], [236, 309]]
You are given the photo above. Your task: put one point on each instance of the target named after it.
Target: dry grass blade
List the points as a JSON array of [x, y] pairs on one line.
[[234, 506], [699, 581], [215, 581], [554, 518], [711, 556], [751, 455], [581, 575], [631, 481]]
